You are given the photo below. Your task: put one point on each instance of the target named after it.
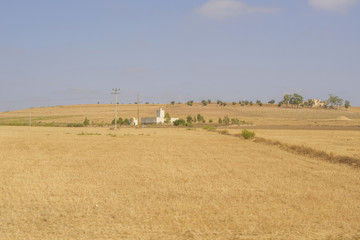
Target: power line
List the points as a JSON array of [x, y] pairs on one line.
[[116, 93]]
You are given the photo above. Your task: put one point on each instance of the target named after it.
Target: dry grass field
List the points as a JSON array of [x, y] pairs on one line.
[[178, 183], [268, 115]]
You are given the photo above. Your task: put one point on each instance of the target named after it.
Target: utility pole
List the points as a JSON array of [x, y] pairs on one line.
[[116, 93], [138, 111]]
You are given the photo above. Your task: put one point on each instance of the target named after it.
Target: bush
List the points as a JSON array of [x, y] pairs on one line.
[[209, 128], [189, 119], [180, 122], [86, 122], [204, 102], [126, 121], [75, 125], [210, 121], [220, 121], [167, 118], [200, 118], [247, 134], [226, 120], [224, 132]]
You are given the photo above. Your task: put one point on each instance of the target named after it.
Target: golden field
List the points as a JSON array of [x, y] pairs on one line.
[[178, 183], [268, 115]]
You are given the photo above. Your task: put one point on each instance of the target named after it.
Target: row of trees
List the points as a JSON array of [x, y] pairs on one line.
[[288, 99], [298, 100], [200, 119]]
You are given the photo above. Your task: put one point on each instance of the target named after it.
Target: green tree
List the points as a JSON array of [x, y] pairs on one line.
[[347, 104], [189, 119], [220, 121], [190, 103], [226, 120], [172, 102], [209, 101], [167, 118], [126, 121], [204, 102], [287, 98], [200, 118], [86, 122], [335, 100], [272, 101], [179, 122]]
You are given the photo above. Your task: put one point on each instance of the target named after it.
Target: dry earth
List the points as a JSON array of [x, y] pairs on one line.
[[268, 115], [95, 183]]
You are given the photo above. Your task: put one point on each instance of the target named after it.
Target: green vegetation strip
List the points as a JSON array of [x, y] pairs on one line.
[[310, 152], [296, 149]]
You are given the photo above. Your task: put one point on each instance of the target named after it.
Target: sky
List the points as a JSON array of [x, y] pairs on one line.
[[64, 52]]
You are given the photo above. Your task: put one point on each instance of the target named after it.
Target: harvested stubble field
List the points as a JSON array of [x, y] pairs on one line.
[[266, 116], [158, 183]]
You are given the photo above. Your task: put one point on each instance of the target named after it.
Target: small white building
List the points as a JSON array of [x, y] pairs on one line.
[[134, 121], [318, 103], [159, 119]]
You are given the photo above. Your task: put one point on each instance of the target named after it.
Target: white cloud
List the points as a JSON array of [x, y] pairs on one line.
[[333, 5], [220, 9]]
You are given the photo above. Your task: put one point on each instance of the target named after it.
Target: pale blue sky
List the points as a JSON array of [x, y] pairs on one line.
[[75, 52]]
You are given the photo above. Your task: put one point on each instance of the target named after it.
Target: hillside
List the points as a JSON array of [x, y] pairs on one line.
[[266, 116]]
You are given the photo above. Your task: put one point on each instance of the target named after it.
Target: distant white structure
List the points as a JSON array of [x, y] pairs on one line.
[[159, 119], [134, 121], [318, 103]]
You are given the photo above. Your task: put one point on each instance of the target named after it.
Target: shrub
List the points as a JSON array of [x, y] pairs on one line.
[[200, 118], [86, 122], [210, 121], [209, 128], [172, 102], [204, 102], [189, 119], [224, 132], [126, 121], [233, 103], [75, 125], [190, 103], [247, 134], [167, 118], [272, 101], [179, 122], [235, 121], [220, 121], [226, 120]]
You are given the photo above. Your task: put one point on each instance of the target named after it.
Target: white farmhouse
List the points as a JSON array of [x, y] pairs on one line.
[[318, 103], [159, 119]]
